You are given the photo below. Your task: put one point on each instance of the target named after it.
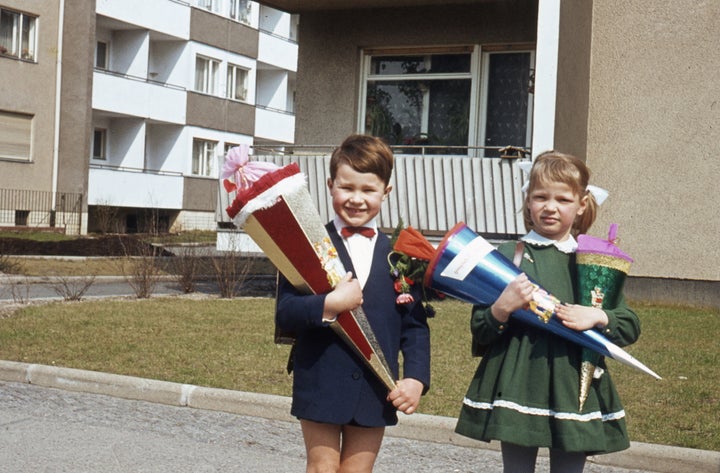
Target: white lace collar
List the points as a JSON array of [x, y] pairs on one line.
[[567, 246]]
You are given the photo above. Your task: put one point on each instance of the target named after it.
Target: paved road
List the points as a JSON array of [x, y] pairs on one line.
[[50, 430]]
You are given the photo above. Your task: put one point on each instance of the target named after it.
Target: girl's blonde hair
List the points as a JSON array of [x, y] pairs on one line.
[[554, 166]]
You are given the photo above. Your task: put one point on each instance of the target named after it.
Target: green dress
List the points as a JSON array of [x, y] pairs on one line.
[[525, 390]]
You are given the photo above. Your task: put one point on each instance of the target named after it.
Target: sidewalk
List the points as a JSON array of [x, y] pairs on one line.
[[641, 457]]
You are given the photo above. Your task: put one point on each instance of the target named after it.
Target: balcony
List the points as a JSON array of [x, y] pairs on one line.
[[131, 187], [274, 125], [277, 51], [134, 96], [169, 17]]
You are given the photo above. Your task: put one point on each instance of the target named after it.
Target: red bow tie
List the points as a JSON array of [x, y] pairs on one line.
[[364, 231]]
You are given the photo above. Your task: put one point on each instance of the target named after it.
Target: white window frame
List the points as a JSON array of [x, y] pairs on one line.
[[21, 45], [240, 12], [228, 146], [232, 86], [479, 68], [209, 5], [366, 62], [16, 131], [203, 157], [102, 133], [206, 74]]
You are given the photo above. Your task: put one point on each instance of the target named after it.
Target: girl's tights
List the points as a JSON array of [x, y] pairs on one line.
[[517, 459]]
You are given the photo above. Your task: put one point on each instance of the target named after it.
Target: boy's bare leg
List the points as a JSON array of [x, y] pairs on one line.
[[322, 444], [360, 447]]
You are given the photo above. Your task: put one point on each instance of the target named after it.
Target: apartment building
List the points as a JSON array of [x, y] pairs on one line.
[[628, 86], [122, 110]]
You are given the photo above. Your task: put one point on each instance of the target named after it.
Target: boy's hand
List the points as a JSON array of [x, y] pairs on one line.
[[406, 395], [346, 295], [517, 294], [580, 317]]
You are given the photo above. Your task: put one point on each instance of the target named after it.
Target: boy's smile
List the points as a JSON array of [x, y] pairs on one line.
[[357, 197]]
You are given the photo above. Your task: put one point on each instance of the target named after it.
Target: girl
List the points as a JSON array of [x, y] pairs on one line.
[[525, 391]]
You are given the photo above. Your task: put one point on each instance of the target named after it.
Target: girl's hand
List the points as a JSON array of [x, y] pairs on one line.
[[347, 295], [580, 317], [516, 295], [406, 395]]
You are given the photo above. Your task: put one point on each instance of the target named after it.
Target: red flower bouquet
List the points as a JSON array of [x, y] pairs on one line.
[[408, 263]]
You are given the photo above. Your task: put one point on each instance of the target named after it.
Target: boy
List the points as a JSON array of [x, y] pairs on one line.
[[343, 408]]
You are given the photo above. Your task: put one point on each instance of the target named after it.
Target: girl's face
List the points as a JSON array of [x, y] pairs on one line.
[[357, 197], [553, 208]]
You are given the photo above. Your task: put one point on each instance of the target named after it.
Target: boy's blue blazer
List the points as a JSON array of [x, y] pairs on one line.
[[331, 383]]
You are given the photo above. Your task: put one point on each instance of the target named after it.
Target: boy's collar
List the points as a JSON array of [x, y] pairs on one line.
[[567, 246]]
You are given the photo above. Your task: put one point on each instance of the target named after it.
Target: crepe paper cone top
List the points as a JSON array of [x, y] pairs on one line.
[[243, 171], [412, 243], [593, 250], [265, 192]]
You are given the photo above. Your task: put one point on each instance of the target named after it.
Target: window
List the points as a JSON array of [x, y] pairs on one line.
[[228, 147], [240, 10], [15, 135], [99, 140], [21, 218], [207, 4], [203, 156], [101, 55], [507, 101], [17, 34], [415, 99], [236, 82], [419, 99], [206, 74]]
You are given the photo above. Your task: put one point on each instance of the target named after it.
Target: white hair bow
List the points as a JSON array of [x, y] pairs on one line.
[[599, 193]]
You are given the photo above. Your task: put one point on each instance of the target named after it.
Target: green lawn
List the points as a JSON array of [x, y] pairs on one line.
[[229, 344]]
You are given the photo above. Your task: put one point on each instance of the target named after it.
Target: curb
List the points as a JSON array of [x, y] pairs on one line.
[[640, 456]]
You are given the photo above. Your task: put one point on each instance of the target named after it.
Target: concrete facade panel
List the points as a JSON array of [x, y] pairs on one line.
[[76, 98], [652, 132], [200, 194], [36, 98], [220, 114], [330, 44], [223, 33]]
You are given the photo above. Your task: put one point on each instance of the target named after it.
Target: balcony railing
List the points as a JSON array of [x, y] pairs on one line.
[[132, 187], [431, 192], [136, 96], [22, 208]]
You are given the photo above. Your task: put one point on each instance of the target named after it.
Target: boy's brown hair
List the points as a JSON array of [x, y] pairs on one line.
[[364, 154]]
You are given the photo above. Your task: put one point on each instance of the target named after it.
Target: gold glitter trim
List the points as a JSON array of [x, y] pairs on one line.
[[604, 260]]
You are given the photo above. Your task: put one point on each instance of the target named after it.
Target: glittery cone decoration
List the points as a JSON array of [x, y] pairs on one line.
[[601, 271], [469, 268]]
